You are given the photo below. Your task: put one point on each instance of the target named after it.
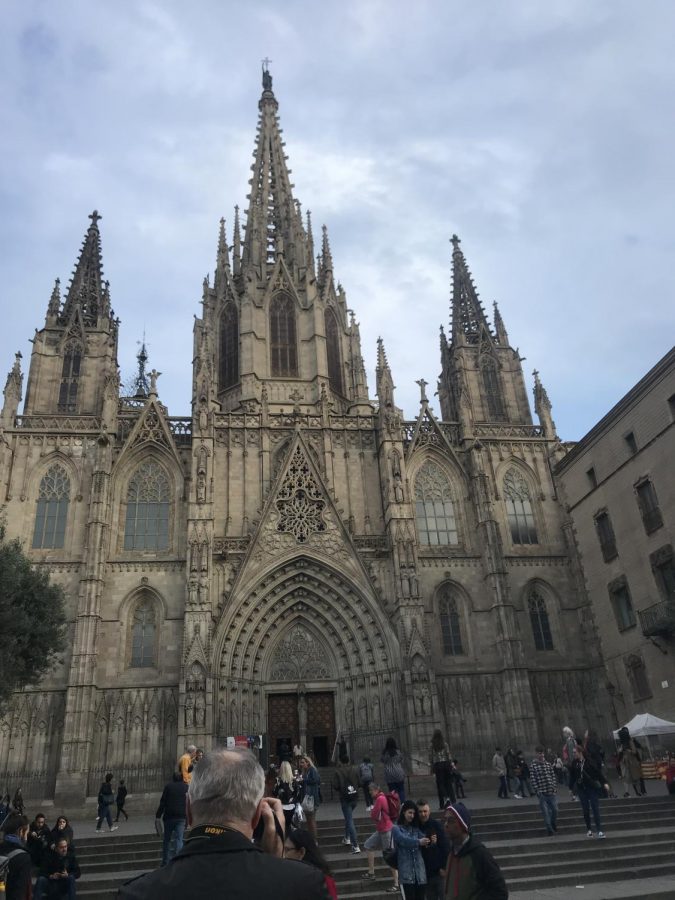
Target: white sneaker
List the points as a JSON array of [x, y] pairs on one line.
[[358, 849], [369, 808], [115, 827], [346, 841], [517, 797], [589, 834], [601, 834]]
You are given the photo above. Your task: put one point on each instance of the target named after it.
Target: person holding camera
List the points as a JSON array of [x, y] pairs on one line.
[[225, 805]]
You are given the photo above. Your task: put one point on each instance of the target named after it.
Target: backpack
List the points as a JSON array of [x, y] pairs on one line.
[[348, 790], [4, 864], [366, 772], [393, 805]]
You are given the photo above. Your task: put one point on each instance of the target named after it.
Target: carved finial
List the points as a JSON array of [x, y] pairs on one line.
[[423, 394], [95, 217], [266, 76]]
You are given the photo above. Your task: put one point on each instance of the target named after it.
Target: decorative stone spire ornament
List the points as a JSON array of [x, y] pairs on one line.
[[542, 407], [12, 393], [54, 308], [141, 385], [86, 288], [468, 316], [500, 330], [236, 247]]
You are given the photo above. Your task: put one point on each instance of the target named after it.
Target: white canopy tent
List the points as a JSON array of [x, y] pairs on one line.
[[644, 725]]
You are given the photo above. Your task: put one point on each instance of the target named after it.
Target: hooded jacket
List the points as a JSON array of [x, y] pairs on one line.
[[473, 874]]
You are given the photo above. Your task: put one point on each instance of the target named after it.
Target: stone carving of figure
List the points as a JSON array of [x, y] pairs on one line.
[[189, 710], [201, 475], [302, 712], [200, 710], [349, 712], [377, 713], [244, 715], [389, 709], [398, 489], [363, 713], [222, 725], [234, 717], [192, 591]]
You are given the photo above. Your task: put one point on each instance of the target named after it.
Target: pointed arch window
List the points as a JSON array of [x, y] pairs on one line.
[[70, 378], [283, 337], [434, 507], [148, 502], [52, 509], [451, 634], [519, 508], [229, 347], [493, 391], [541, 627], [143, 635], [333, 352]]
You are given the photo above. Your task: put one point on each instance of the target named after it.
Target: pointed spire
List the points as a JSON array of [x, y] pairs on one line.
[[222, 259], [54, 307], [542, 407], [12, 392], [236, 249], [326, 255], [310, 242], [468, 316], [384, 387], [86, 286], [273, 227], [141, 383], [500, 330]]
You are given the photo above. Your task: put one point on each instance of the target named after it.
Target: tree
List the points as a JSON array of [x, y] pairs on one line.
[[32, 619]]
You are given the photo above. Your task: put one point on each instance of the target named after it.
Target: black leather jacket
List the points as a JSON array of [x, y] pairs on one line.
[[228, 865]]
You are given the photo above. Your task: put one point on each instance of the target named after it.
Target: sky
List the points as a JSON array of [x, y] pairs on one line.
[[541, 133]]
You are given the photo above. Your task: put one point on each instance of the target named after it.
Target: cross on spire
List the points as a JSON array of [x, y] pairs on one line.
[[423, 394]]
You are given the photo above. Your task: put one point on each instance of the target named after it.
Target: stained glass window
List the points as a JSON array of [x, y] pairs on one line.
[[333, 352], [493, 391], [229, 347], [148, 501], [70, 378], [541, 627], [519, 508], [283, 339], [52, 509], [451, 635], [143, 635], [434, 507]]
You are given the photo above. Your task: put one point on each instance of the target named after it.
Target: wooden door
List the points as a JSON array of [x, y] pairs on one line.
[[320, 726], [282, 722]]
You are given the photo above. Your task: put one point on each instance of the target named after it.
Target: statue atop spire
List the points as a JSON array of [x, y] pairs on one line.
[[266, 75]]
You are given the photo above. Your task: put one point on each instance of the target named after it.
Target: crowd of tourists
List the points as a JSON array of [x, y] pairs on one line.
[[234, 811]]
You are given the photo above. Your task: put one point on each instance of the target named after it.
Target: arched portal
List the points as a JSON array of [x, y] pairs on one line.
[[306, 653]]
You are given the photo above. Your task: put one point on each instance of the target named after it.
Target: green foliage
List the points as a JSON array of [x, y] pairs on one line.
[[32, 619]]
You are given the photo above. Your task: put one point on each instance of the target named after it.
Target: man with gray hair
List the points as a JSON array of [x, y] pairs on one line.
[[225, 804]]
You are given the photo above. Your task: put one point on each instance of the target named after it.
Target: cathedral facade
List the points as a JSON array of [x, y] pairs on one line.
[[295, 558]]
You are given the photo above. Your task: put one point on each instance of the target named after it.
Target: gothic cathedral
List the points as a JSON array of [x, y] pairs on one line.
[[295, 558]]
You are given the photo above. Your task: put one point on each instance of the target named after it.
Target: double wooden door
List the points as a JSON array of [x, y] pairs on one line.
[[283, 725]]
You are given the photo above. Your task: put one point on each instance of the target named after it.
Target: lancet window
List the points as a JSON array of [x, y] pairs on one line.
[[148, 503], [143, 635], [434, 507], [333, 352], [451, 634], [52, 509], [492, 388], [541, 627], [229, 347], [70, 378], [519, 508], [283, 336]]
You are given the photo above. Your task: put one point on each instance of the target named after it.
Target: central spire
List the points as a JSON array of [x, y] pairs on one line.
[[87, 290], [468, 315], [274, 224]]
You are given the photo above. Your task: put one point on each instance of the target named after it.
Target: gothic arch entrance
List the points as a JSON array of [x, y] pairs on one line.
[[304, 641]]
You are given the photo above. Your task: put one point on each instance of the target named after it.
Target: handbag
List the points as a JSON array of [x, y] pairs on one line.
[[308, 803], [390, 856]]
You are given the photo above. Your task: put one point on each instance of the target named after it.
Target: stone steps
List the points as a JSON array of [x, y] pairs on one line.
[[639, 845]]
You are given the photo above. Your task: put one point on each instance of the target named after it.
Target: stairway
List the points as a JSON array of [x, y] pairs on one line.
[[639, 844]]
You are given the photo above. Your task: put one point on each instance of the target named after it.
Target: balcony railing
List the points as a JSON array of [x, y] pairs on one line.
[[658, 620]]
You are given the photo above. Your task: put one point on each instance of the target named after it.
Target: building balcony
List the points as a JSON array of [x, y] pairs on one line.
[[658, 620]]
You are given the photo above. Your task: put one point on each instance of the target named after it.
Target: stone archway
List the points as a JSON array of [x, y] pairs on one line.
[[340, 642]]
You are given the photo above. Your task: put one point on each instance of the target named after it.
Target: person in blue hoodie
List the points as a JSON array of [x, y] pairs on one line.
[[409, 840]]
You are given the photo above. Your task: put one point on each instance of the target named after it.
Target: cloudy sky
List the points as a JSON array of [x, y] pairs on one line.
[[541, 132]]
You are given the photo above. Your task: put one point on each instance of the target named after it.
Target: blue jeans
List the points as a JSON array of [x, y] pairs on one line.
[[399, 787], [172, 828], [548, 804], [590, 801], [350, 830], [104, 812], [43, 885], [503, 787]]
